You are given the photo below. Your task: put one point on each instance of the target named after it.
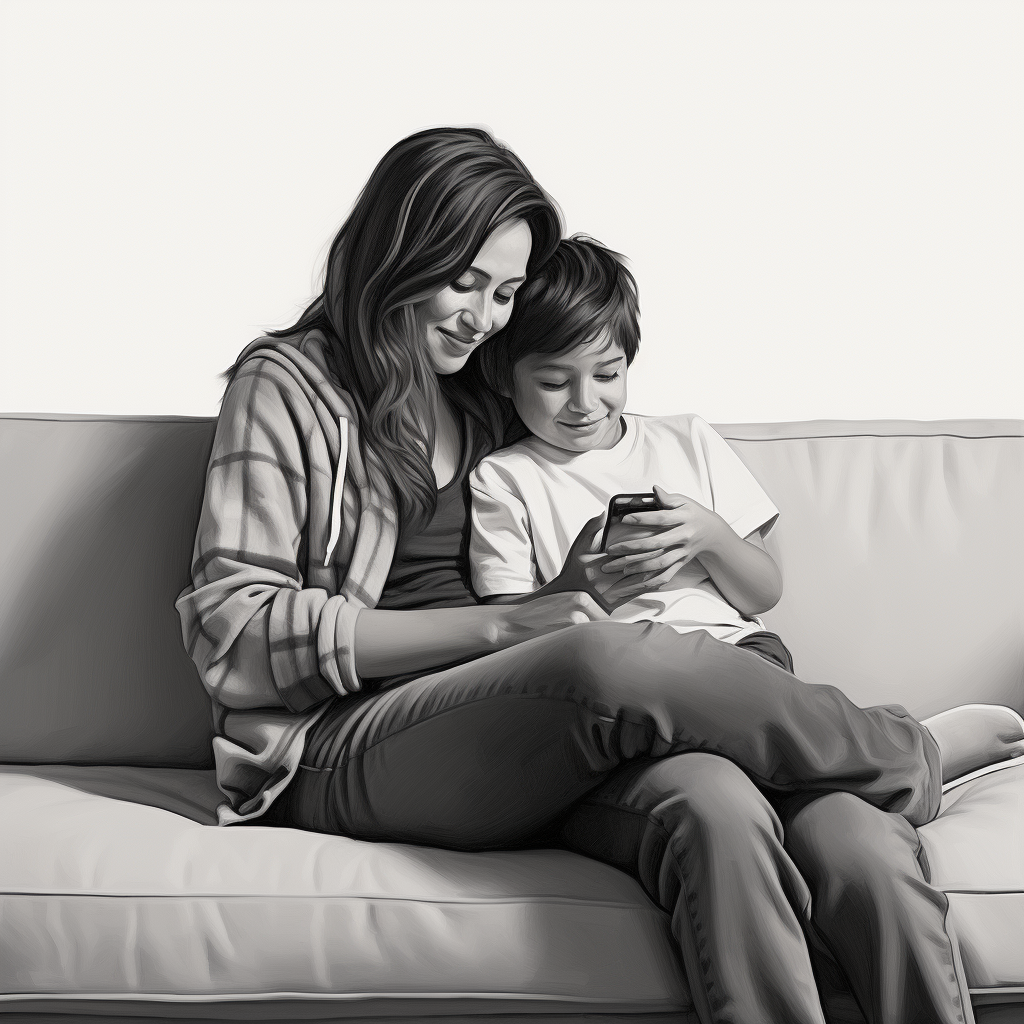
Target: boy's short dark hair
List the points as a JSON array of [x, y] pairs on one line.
[[580, 291]]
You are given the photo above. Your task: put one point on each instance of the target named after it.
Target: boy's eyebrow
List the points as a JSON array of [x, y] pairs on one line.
[[569, 366], [487, 277]]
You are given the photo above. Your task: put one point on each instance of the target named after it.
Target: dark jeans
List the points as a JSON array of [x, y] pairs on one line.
[[649, 749]]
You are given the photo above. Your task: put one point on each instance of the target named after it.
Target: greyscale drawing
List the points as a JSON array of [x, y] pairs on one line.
[[429, 681]]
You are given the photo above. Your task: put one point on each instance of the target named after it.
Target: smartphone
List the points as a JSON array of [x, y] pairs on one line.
[[622, 505]]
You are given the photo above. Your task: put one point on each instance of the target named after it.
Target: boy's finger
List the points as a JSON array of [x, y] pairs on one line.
[[629, 564], [627, 588], [653, 542], [667, 498], [670, 517]]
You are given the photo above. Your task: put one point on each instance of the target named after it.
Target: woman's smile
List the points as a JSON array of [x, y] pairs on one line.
[[457, 345]]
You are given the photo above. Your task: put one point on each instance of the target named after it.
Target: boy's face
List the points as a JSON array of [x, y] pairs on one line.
[[573, 400]]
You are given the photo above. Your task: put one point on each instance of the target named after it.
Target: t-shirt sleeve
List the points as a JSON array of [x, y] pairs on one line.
[[500, 547], [735, 494]]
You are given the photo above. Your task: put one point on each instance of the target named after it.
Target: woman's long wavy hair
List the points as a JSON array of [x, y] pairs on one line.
[[417, 225]]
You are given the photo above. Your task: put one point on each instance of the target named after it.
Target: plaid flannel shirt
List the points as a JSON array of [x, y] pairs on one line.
[[294, 538]]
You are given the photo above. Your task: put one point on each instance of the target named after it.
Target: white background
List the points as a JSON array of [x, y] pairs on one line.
[[823, 202]]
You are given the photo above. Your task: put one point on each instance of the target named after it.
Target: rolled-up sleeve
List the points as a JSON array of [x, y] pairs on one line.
[[248, 622]]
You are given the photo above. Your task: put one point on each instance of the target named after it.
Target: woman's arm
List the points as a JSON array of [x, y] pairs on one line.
[[260, 635], [389, 642]]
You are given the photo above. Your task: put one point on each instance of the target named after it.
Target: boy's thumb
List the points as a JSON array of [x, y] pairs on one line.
[[667, 498], [589, 537]]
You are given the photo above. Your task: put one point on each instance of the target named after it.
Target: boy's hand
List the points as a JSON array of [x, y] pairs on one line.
[[686, 529], [582, 568], [583, 571]]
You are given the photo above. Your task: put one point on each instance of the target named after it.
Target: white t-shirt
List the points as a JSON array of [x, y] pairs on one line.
[[531, 500]]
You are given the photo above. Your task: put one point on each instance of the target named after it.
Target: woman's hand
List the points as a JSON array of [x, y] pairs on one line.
[[536, 616]]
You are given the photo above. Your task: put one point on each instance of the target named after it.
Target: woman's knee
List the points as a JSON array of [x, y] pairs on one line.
[[590, 655]]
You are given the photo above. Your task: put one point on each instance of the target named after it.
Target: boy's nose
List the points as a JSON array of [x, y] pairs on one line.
[[583, 399]]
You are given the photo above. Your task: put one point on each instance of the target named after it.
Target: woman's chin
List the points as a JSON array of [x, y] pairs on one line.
[[445, 364]]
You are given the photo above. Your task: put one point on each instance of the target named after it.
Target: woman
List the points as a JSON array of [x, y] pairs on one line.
[[358, 687]]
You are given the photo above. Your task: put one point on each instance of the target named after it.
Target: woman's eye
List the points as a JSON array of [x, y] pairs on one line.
[[462, 286], [549, 385], [504, 300]]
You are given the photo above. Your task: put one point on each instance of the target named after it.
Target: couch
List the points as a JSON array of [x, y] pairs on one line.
[[901, 547]]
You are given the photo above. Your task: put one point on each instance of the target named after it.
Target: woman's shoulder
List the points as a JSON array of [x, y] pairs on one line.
[[294, 368]]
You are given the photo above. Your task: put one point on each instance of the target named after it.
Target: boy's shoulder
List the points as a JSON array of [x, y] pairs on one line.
[[510, 464], [685, 426]]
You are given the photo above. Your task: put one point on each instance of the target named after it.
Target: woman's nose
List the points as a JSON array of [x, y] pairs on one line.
[[477, 314]]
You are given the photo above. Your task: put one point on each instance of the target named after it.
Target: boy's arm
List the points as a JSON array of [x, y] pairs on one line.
[[501, 562], [725, 536], [743, 571]]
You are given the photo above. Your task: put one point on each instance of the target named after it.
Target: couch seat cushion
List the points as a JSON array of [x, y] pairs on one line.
[[975, 850], [116, 886]]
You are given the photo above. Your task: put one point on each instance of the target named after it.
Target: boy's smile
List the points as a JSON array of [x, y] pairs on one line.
[[573, 400]]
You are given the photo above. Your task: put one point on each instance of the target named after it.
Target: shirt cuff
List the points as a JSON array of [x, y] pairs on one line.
[[759, 519], [336, 652]]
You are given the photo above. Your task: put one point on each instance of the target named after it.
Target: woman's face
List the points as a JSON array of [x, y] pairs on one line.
[[465, 313]]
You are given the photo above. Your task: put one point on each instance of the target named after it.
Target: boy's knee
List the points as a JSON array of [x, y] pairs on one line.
[[840, 837], [714, 797]]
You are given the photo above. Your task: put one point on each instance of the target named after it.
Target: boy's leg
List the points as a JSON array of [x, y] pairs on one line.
[[707, 847], [483, 754], [874, 910]]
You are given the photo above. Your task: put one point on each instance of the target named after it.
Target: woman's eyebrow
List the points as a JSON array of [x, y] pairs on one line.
[[487, 277]]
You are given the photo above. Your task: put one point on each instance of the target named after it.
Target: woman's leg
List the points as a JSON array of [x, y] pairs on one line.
[[874, 911], [707, 847], [484, 754]]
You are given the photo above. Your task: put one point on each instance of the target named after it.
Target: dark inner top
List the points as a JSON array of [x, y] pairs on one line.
[[431, 565]]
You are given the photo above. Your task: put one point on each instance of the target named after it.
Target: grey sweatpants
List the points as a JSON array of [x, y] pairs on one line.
[[658, 752]]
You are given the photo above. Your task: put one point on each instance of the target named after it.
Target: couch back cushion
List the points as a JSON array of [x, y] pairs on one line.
[[97, 522], [902, 553], [900, 544]]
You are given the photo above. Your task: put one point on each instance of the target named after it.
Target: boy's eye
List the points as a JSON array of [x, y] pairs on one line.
[[606, 378]]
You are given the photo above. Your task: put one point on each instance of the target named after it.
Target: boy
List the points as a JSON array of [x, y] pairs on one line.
[[563, 359]]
